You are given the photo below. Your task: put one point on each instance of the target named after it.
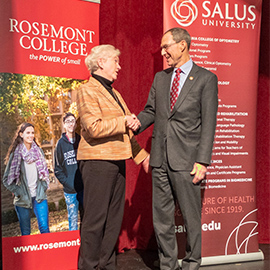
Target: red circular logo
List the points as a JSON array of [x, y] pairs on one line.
[[184, 12]]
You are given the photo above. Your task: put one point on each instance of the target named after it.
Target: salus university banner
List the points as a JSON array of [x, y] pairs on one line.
[[225, 40]]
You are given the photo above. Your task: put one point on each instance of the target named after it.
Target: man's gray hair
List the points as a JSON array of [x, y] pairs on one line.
[[180, 34]]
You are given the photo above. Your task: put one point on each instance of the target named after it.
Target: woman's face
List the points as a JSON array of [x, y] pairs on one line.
[[110, 68], [28, 135]]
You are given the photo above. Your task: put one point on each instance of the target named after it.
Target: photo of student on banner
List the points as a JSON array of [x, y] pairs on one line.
[[67, 172], [27, 177], [43, 101]]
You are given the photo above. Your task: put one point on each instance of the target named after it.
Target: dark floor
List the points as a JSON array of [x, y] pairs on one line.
[[144, 260]]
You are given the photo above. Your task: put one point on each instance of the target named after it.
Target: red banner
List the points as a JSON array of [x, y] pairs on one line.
[[225, 40], [48, 38], [44, 44], [43, 251]]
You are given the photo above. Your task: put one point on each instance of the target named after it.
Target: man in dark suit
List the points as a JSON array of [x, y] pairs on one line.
[[181, 148]]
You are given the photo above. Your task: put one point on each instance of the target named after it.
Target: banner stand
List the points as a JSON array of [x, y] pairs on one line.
[[236, 258], [222, 37], [43, 53]]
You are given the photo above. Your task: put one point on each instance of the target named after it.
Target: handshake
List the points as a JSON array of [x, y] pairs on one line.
[[132, 122]]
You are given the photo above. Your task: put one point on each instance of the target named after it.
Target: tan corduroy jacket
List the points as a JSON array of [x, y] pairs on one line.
[[104, 135]]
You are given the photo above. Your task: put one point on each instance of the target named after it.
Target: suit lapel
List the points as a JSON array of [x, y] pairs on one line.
[[167, 85], [191, 78]]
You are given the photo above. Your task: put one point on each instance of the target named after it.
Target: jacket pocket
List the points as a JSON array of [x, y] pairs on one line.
[[41, 191]]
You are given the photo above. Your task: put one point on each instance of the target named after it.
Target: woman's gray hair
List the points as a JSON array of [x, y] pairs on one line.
[[101, 51]]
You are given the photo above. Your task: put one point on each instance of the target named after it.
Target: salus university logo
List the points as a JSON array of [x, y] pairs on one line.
[[184, 12]]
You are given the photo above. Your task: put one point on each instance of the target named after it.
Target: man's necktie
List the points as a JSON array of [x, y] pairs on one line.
[[174, 89]]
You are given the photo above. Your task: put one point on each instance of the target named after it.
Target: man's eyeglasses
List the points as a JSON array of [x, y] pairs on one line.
[[166, 46]]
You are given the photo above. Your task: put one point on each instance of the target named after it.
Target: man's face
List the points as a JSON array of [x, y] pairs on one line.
[[171, 50], [70, 124]]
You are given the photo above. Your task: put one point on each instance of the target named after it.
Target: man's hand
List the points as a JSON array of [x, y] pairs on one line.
[[145, 164], [199, 172], [132, 122]]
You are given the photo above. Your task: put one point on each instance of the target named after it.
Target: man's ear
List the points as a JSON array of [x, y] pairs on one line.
[[183, 45]]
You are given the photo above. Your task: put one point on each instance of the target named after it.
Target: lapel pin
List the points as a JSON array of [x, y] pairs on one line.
[[191, 78]]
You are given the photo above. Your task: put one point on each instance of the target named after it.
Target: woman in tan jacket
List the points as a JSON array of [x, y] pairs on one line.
[[106, 142]]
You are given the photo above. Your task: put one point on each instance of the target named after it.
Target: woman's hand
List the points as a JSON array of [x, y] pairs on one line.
[[146, 165], [132, 122]]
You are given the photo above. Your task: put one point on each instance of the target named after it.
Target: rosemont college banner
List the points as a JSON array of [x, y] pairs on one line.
[[43, 47], [225, 40]]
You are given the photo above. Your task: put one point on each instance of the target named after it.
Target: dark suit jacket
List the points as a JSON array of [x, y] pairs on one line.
[[186, 133]]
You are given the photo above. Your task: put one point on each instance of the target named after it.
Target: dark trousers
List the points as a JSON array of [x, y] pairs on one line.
[[168, 186], [104, 200]]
